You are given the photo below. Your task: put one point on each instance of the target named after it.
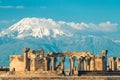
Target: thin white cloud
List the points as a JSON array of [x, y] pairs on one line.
[[19, 7], [6, 21], [10, 7], [43, 7], [101, 27], [105, 27], [108, 27], [6, 7]]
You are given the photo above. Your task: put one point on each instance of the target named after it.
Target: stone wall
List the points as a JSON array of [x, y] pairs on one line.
[[17, 63], [33, 60], [36, 60], [99, 63]]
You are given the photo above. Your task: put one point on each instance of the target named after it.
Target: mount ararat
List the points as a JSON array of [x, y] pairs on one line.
[[57, 36]]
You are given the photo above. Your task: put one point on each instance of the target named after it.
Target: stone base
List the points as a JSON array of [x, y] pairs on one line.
[[60, 78]]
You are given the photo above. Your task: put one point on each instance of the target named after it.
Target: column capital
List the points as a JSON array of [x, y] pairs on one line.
[[25, 50]]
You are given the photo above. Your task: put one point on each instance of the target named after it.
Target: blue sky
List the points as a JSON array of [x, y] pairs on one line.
[[89, 11]]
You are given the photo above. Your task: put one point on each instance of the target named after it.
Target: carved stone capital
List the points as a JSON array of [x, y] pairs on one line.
[[25, 50]]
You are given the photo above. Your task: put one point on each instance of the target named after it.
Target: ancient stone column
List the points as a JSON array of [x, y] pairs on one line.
[[55, 60], [46, 65], [88, 63], [33, 62], [32, 58], [85, 65], [82, 64], [53, 65], [71, 66], [25, 50], [104, 52], [92, 64], [79, 64]]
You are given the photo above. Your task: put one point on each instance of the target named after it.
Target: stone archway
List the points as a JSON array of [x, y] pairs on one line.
[[81, 63]]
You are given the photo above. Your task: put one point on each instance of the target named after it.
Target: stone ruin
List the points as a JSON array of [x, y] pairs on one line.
[[39, 62]]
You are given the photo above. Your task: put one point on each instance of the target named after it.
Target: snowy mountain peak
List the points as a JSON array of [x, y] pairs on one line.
[[35, 27]]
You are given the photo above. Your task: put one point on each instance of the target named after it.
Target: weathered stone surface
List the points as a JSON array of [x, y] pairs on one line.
[[114, 63], [37, 63]]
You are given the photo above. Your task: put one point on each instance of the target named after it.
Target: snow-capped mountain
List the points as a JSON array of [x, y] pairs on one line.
[[35, 27], [58, 36]]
